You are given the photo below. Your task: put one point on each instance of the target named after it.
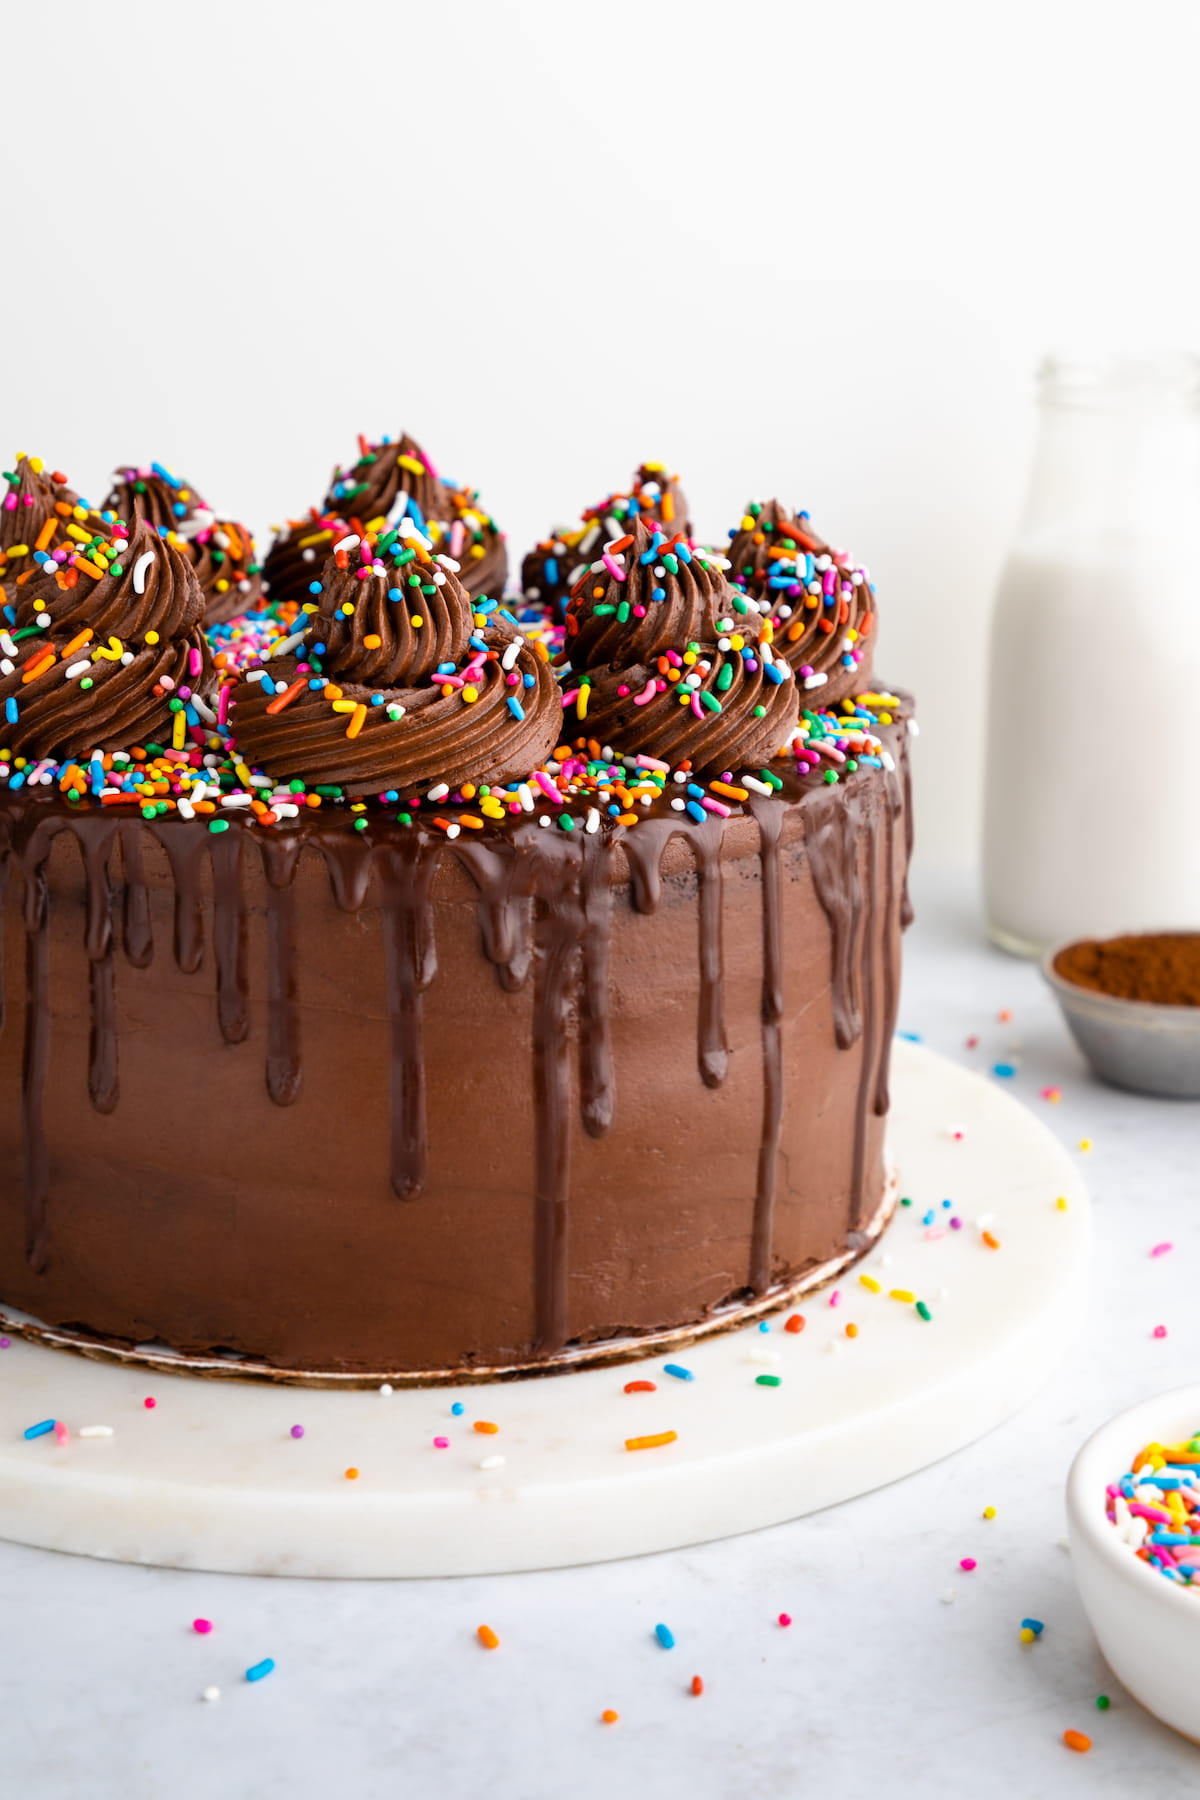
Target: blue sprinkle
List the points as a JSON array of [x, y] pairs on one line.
[[1005, 1070], [318, 649], [774, 673], [377, 699], [1034, 1625], [179, 509], [697, 793], [679, 1372], [658, 593], [314, 587], [17, 780], [269, 686], [697, 812], [929, 1217], [393, 593], [458, 1409], [317, 681], [515, 707], [529, 680], [10, 710], [165, 475], [32, 1431], [505, 614], [665, 1636], [764, 1326], [446, 668], [260, 1669], [947, 1203], [910, 1037], [551, 570]]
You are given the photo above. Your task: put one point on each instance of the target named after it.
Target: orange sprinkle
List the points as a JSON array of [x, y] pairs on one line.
[[372, 640], [89, 568], [1075, 1740], [487, 1637], [77, 642], [46, 533], [852, 1331], [351, 1474], [470, 819], [993, 1243], [651, 1443], [730, 792], [288, 695], [795, 1323], [486, 1425], [640, 1387], [357, 720], [697, 1685], [37, 665], [609, 1716]]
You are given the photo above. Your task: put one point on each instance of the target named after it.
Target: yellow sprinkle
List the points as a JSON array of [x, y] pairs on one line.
[[581, 700], [869, 1282], [989, 1512], [903, 1294], [152, 637], [404, 461], [470, 694], [476, 550], [1027, 1636], [1061, 1203], [178, 728], [416, 621], [343, 706], [1085, 1143], [242, 773]]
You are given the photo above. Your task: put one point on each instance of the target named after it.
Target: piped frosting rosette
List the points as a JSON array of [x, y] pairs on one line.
[[292, 566], [550, 570], [670, 661], [221, 551], [820, 600], [30, 501], [385, 473], [106, 648], [398, 681]]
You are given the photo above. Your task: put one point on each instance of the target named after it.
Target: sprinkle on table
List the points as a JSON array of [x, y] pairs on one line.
[[609, 1716], [641, 1387], [768, 1381], [698, 1685], [259, 1669], [202, 1626], [1076, 1740], [652, 1442], [487, 1637], [297, 1431], [678, 1371], [486, 1426], [795, 1323], [42, 1429], [665, 1636], [968, 1564]]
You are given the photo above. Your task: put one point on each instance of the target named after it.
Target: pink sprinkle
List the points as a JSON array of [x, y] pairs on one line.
[[548, 788], [967, 1564], [785, 1618], [972, 1043], [61, 1434], [297, 1431], [441, 1443], [1160, 1331], [5, 1343], [203, 1626], [150, 1404], [1051, 1093], [934, 1234], [613, 566], [1162, 1249], [647, 693], [835, 1297]]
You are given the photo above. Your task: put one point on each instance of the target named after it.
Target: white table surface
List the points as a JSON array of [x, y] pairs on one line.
[[880, 1685]]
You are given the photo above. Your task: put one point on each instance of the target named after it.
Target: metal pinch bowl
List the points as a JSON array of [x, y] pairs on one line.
[[1136, 1044]]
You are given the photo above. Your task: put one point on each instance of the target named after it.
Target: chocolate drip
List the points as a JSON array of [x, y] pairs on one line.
[[557, 935], [407, 867], [904, 762], [502, 878], [5, 862], [229, 935], [348, 863], [895, 898], [36, 1057], [870, 1046], [770, 822], [137, 928], [645, 851], [280, 856], [831, 839], [96, 847], [597, 1079], [185, 851]]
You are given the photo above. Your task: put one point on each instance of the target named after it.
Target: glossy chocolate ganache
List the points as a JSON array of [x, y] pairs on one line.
[[452, 1040]]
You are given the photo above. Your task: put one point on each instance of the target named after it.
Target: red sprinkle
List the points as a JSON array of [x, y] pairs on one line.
[[795, 1323], [697, 1684], [150, 1403], [785, 1618], [640, 1387]]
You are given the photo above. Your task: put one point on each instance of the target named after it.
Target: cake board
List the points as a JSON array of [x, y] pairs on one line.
[[211, 1477]]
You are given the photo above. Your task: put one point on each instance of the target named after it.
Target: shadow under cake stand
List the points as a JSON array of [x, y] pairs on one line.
[[212, 1478]]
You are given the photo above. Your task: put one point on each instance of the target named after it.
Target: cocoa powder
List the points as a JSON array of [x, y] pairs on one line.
[[1163, 967]]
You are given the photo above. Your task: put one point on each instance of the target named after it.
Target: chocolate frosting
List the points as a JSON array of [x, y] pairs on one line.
[[31, 499], [675, 664], [369, 488], [471, 537], [551, 568], [102, 646], [821, 600], [153, 493], [401, 684], [295, 559]]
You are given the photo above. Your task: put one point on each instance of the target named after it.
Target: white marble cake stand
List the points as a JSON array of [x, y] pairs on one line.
[[211, 1477]]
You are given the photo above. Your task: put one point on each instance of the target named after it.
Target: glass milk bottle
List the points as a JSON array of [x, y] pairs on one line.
[[1093, 806]]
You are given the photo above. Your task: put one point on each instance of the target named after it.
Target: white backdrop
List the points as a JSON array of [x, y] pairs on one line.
[[811, 249]]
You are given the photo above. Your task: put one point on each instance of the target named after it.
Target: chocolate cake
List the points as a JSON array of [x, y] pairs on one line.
[[418, 986]]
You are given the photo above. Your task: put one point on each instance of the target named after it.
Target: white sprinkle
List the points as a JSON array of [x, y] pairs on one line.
[[592, 821], [755, 785], [44, 620], [7, 644], [815, 681], [448, 562], [211, 1693], [525, 796], [950, 1596], [439, 791], [128, 658], [492, 1462], [914, 730], [73, 672], [544, 821], [255, 674], [511, 654], [185, 809], [452, 831], [237, 799], [385, 1387], [7, 666], [139, 571], [766, 1357], [350, 542], [91, 1431]]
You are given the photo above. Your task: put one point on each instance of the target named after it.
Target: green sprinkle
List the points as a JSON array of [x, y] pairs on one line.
[[622, 612], [566, 822], [295, 787], [709, 700], [174, 705], [771, 779], [1103, 1702], [360, 824], [760, 712], [404, 818], [85, 681], [218, 824], [331, 793], [923, 1311], [906, 1202], [602, 611], [725, 678], [768, 1380], [830, 777]]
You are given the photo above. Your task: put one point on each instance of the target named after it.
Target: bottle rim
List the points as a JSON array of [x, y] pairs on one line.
[[1119, 378]]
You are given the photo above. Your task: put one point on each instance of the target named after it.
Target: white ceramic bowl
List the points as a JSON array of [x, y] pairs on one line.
[[1148, 1627]]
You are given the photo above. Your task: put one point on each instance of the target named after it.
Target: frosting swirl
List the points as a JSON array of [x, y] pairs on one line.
[[472, 538], [107, 648], [550, 570], [31, 499], [673, 663], [820, 600], [220, 550], [403, 683], [293, 563], [370, 488]]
